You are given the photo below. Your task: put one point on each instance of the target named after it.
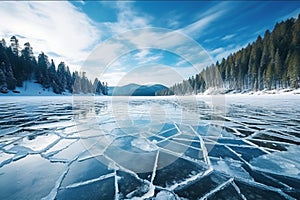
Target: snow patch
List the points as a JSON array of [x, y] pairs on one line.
[[30, 88]]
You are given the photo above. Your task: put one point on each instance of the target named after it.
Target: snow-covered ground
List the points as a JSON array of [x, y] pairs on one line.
[[195, 147], [269, 92], [215, 91], [30, 88]]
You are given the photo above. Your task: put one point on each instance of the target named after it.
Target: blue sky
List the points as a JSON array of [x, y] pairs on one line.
[[72, 32]]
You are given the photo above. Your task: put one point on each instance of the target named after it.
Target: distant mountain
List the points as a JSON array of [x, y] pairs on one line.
[[136, 90]]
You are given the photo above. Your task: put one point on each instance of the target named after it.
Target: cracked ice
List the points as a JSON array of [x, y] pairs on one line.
[[149, 148]]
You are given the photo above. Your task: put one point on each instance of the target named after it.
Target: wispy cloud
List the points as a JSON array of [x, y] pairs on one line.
[[51, 27], [181, 62], [173, 19], [145, 56], [228, 37], [66, 33], [217, 51], [220, 53], [197, 27], [141, 41], [127, 18], [205, 19]]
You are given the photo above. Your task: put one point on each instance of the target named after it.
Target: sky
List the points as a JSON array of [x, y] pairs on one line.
[[140, 42]]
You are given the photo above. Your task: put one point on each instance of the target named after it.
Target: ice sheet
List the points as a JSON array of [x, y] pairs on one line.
[[114, 149]]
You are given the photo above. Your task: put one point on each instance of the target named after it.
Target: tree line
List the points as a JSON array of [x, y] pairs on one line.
[[18, 65], [271, 62]]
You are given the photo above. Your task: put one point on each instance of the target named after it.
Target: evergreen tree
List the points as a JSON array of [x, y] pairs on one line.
[[61, 76], [2, 79], [42, 75], [14, 45], [294, 68], [10, 79], [270, 62], [28, 62], [77, 83], [277, 69], [18, 66], [69, 85], [3, 42]]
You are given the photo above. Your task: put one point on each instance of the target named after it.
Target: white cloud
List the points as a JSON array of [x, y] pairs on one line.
[[142, 53], [109, 53], [210, 40], [57, 27], [181, 62], [228, 37], [205, 19], [67, 34], [145, 56], [197, 27], [219, 55], [217, 51], [127, 18], [173, 19]]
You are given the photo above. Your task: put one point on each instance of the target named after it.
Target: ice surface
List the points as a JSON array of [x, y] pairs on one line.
[[143, 144], [5, 158], [285, 162], [29, 178], [231, 167], [39, 143], [150, 148]]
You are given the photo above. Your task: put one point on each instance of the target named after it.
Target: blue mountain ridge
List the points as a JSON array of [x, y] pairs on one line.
[[135, 90]]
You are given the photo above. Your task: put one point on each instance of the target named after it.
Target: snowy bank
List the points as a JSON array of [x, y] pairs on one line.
[[213, 91], [30, 88]]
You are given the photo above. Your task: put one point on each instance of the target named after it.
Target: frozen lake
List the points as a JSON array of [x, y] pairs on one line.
[[238, 147]]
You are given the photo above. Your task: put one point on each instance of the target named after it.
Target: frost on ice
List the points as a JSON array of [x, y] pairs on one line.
[[51, 148]]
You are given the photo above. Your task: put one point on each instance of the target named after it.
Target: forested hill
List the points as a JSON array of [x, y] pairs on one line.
[[18, 65], [271, 62]]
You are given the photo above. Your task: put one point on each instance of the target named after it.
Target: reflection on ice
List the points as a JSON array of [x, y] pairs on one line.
[[29, 178], [149, 148], [285, 162]]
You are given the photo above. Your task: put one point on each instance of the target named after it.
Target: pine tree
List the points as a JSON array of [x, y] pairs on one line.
[[28, 62], [277, 69], [18, 66], [294, 68], [3, 42], [69, 86], [271, 61], [62, 76], [10, 79], [77, 83], [14, 45], [2, 79], [270, 68], [42, 72]]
